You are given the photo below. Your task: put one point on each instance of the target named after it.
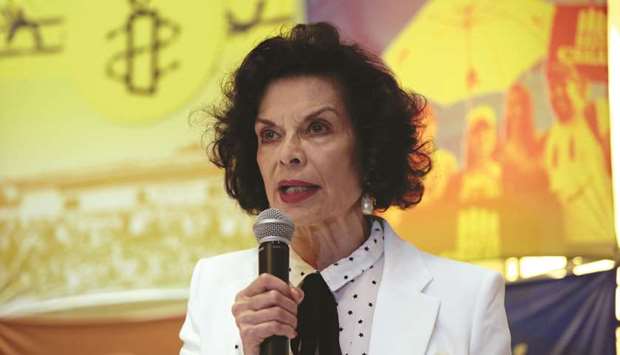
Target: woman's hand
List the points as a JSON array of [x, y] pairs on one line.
[[268, 306]]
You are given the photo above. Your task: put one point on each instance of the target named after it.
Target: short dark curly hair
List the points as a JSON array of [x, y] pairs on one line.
[[387, 120]]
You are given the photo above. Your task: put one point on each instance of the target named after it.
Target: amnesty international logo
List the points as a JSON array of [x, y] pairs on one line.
[[138, 61], [144, 31]]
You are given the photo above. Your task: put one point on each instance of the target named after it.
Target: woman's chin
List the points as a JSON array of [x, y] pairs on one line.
[[301, 215]]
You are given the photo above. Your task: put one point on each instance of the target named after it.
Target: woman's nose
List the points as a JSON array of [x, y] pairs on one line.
[[292, 154]]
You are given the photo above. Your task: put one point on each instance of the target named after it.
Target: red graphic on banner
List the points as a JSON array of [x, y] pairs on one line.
[[579, 39]]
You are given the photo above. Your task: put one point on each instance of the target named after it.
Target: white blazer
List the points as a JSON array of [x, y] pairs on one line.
[[425, 305]]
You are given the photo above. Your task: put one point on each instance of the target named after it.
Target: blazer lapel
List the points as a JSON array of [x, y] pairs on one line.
[[404, 316]]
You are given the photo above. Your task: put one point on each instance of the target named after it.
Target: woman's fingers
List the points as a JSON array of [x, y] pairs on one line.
[[264, 300], [266, 282], [273, 298], [266, 307], [266, 315], [257, 333], [298, 293]]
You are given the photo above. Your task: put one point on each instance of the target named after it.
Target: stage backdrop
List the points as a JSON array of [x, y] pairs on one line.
[[106, 194]]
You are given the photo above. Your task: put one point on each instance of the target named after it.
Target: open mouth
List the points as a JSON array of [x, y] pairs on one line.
[[292, 192], [296, 189]]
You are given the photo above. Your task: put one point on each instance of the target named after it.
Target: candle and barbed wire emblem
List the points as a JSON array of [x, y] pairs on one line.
[[146, 33]]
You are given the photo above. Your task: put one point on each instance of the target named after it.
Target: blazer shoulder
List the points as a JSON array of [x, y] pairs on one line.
[[473, 294]]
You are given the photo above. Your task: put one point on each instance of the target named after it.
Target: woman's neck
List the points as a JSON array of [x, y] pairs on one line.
[[323, 244]]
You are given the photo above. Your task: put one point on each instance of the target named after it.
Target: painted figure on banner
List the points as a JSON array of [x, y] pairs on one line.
[[479, 187], [521, 145], [575, 159], [527, 200], [482, 171], [467, 199]]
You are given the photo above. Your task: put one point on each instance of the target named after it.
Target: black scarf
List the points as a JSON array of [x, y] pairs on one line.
[[317, 326]]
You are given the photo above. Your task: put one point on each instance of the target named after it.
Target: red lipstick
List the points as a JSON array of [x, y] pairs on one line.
[[294, 191]]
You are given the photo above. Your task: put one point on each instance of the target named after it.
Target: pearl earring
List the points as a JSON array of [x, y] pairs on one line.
[[368, 204]]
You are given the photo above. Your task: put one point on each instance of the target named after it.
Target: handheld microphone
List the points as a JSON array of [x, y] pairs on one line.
[[274, 231]]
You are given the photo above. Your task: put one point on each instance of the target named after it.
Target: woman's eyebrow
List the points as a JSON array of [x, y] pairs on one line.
[[320, 110], [265, 121], [310, 115]]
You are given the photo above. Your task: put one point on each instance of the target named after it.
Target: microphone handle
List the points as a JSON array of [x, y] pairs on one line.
[[273, 259]]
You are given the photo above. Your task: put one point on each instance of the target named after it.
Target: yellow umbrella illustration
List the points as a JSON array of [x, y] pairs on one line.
[[457, 49]]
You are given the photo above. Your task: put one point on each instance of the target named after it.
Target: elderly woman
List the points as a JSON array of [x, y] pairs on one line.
[[321, 130]]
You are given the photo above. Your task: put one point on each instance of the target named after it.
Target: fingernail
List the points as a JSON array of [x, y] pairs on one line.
[[299, 296], [296, 294]]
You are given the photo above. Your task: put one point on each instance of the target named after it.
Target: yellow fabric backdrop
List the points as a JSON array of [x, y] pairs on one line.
[[106, 194]]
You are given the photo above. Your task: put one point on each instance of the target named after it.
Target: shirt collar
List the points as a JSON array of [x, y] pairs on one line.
[[348, 268]]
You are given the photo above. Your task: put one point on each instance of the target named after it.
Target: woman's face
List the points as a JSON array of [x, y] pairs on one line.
[[306, 150]]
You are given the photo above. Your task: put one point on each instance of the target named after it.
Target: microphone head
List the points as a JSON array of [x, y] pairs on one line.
[[273, 225]]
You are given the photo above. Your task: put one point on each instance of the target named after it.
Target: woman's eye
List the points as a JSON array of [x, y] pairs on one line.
[[268, 135], [317, 128]]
